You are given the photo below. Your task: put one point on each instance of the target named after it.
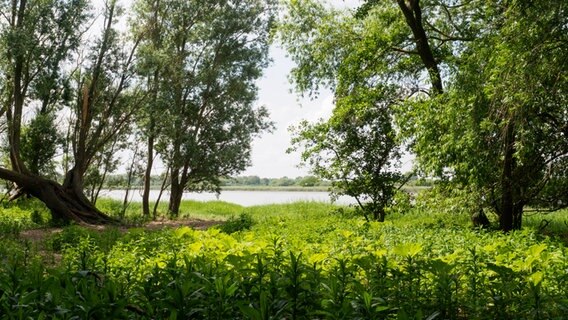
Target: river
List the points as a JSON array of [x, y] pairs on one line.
[[244, 198]]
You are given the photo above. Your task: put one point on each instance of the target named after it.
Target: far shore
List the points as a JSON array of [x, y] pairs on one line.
[[411, 189], [242, 188]]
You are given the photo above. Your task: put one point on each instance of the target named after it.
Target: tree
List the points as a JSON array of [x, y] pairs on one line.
[[473, 103], [48, 32], [211, 53], [37, 37], [148, 22], [356, 148], [103, 108], [501, 125]]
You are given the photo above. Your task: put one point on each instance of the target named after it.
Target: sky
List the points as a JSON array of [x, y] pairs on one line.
[[287, 108], [269, 157]]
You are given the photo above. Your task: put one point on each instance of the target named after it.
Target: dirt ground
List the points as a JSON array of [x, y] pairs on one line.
[[37, 235]]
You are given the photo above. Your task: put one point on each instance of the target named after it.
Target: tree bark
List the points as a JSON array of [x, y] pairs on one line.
[[162, 188], [511, 207], [176, 192], [147, 177], [180, 181], [413, 16], [66, 204], [380, 215], [130, 176]]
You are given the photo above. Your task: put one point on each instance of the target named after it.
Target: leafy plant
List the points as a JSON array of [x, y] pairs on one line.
[[234, 224]]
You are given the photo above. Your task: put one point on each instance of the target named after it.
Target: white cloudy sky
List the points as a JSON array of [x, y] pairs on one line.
[[269, 157]]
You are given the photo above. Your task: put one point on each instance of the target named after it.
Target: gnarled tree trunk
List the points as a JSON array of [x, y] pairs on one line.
[[67, 203]]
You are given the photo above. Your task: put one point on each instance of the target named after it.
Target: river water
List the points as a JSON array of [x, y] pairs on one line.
[[244, 198]]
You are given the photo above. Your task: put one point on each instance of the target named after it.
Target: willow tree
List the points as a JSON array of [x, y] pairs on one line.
[[480, 86], [105, 102], [501, 125], [38, 39], [211, 53]]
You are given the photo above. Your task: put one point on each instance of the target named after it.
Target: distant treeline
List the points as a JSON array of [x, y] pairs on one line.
[[115, 181], [120, 181], [307, 181]]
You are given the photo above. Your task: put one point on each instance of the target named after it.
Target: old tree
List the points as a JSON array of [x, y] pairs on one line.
[[478, 90], [186, 66]]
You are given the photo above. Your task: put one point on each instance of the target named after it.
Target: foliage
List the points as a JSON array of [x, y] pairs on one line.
[[22, 214], [206, 65], [356, 149], [297, 261], [500, 125], [473, 102], [40, 141], [234, 224]]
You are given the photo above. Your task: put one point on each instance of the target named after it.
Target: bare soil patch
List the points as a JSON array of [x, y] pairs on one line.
[[37, 235]]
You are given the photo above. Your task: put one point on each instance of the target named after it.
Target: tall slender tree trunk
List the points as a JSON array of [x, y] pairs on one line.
[[130, 176], [176, 192], [148, 175], [413, 16], [162, 188], [18, 94], [154, 85], [511, 208]]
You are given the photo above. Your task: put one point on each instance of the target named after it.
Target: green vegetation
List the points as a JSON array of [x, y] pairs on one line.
[[475, 89], [296, 261]]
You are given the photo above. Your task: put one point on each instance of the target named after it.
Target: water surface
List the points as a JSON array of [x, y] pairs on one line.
[[244, 198]]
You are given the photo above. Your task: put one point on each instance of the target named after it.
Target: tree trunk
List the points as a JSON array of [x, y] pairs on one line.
[[380, 215], [162, 188], [148, 176], [511, 209], [413, 16], [180, 181], [176, 192], [66, 203], [130, 175]]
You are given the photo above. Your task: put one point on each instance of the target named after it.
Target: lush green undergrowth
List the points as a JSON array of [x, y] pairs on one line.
[[294, 261]]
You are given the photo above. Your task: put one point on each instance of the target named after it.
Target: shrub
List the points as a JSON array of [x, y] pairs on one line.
[[243, 222]]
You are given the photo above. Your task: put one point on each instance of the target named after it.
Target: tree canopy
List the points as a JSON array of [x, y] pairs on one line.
[[478, 88], [185, 67]]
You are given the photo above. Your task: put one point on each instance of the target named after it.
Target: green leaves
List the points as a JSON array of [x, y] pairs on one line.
[[299, 263], [201, 60], [355, 149]]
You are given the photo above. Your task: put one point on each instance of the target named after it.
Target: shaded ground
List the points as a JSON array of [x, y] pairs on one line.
[[37, 235]]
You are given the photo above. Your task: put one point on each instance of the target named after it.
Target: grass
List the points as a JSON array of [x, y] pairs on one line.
[[300, 260]]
